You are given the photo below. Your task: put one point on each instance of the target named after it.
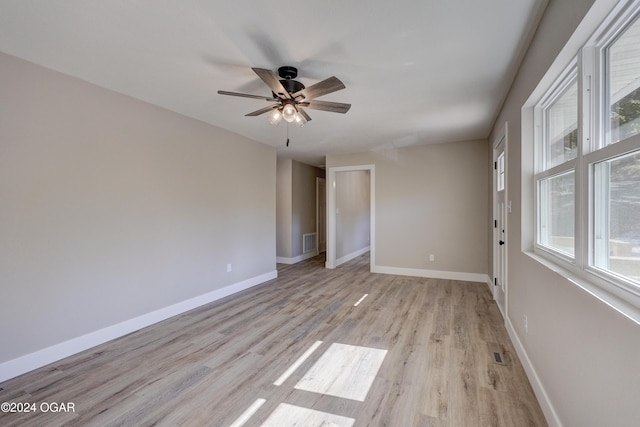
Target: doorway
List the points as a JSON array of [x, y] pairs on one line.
[[500, 209], [332, 213]]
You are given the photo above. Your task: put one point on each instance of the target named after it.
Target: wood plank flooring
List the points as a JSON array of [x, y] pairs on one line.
[[208, 366]]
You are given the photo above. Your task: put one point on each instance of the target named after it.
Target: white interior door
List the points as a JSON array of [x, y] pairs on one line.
[[500, 225]]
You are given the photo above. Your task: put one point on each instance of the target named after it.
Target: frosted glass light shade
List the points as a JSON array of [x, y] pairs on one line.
[[275, 117], [289, 113]]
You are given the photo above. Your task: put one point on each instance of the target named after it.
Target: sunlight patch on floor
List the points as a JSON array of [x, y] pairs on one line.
[[345, 371], [297, 364], [291, 415], [246, 415]]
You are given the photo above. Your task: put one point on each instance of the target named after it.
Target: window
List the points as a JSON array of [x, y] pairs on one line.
[[587, 162], [622, 59], [617, 215], [556, 166], [561, 127], [500, 171], [557, 212]]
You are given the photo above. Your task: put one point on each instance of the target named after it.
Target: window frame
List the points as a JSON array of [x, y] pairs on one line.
[[588, 67], [609, 152], [542, 172], [609, 37], [500, 173]]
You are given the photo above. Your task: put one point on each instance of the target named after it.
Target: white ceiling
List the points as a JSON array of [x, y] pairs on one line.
[[416, 71]]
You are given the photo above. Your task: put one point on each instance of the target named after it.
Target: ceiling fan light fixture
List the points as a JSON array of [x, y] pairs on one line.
[[289, 113], [290, 96], [275, 117]]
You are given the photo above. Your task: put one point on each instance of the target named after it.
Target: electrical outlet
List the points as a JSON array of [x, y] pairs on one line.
[[526, 324], [229, 268], [432, 257]]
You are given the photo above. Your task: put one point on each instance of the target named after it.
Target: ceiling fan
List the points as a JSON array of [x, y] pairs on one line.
[[290, 96]]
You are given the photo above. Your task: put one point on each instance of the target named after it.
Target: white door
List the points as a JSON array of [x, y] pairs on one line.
[[321, 214], [499, 227]]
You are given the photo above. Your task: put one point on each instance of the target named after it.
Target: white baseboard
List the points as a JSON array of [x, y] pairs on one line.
[[40, 358], [490, 284], [434, 274], [352, 255], [294, 260], [545, 403]]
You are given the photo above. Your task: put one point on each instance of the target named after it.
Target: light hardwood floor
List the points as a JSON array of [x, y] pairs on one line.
[[207, 366]]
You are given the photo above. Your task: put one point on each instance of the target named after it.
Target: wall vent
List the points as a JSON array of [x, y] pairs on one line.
[[309, 243]]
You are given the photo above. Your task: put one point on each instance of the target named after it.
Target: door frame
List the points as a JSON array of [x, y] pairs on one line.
[[331, 212], [500, 145], [318, 221]]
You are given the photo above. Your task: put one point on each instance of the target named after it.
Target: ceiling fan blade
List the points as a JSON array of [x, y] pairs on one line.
[[262, 110], [324, 87], [334, 107], [305, 116], [246, 95], [270, 78]]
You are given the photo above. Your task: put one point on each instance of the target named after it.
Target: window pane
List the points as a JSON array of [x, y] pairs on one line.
[[500, 172], [623, 84], [556, 212], [561, 141], [617, 215]]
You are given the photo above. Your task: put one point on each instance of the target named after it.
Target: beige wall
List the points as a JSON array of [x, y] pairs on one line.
[[582, 355], [430, 199], [113, 208], [284, 207], [353, 225]]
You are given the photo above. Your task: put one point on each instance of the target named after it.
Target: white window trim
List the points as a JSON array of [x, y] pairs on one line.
[[616, 291], [611, 151], [566, 79], [563, 81]]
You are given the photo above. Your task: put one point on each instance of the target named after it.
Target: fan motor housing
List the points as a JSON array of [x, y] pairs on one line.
[[292, 86], [287, 74]]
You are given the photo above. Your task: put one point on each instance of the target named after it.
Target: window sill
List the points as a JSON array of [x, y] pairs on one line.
[[621, 300]]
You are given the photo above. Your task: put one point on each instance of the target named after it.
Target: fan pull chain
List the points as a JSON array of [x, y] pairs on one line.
[[287, 134]]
